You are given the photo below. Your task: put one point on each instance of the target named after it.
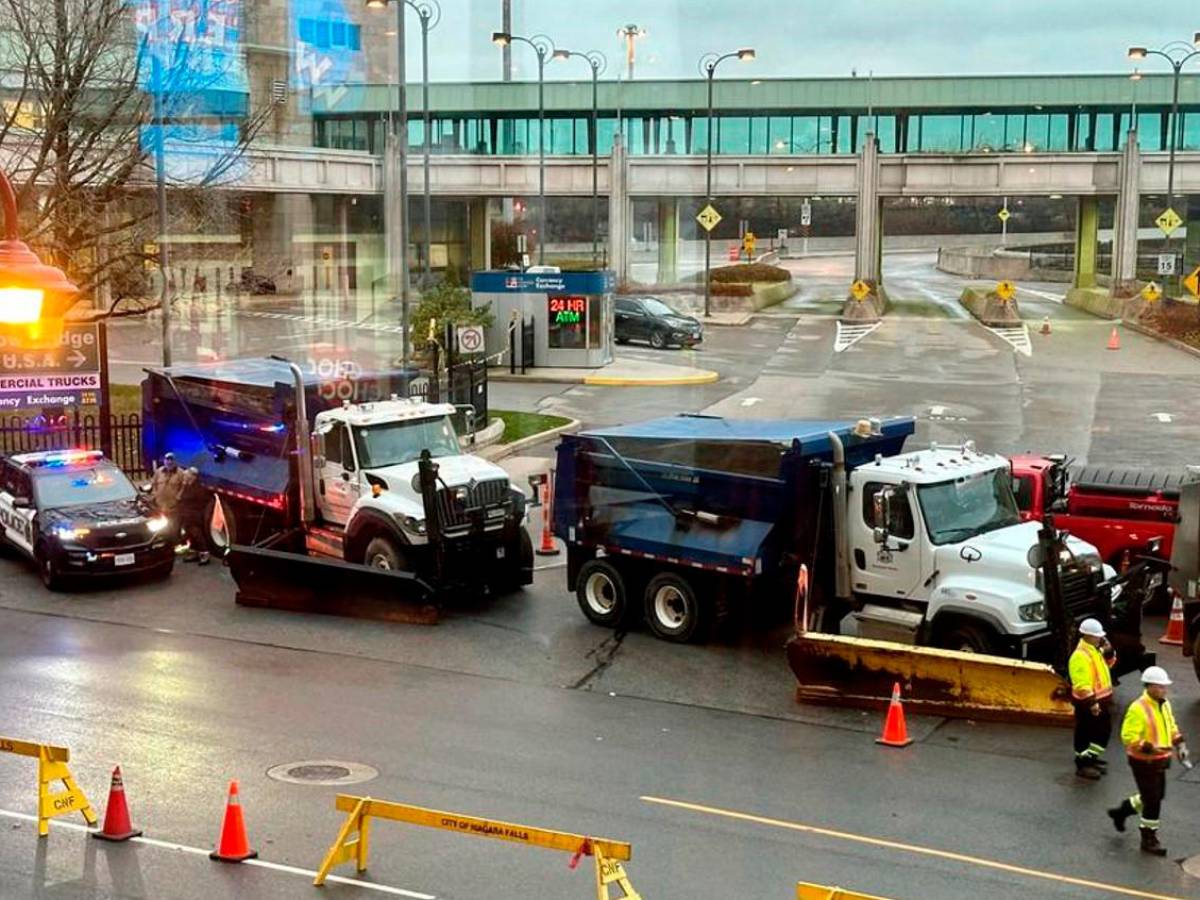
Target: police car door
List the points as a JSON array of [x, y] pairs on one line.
[[16, 507]]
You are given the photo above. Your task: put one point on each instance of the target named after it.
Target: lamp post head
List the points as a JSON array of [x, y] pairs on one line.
[[561, 54], [1137, 52], [746, 54], [1196, 40], [501, 38], [377, 4]]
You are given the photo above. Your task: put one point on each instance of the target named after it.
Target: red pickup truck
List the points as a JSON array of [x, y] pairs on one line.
[[1118, 511]]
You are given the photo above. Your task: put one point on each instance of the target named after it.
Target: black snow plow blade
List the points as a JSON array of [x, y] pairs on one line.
[[298, 583]]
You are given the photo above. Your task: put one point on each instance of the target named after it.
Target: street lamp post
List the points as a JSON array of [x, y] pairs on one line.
[[430, 13], [544, 48], [598, 63], [1177, 54], [401, 133], [708, 68]]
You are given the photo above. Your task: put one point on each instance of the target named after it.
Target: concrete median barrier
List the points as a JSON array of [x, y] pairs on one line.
[[985, 304], [867, 308], [1098, 301]]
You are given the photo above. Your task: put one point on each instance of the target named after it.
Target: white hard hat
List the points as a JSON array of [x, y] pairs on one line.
[[1092, 628], [1156, 675]]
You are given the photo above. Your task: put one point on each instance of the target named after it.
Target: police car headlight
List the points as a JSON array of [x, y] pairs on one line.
[[70, 534], [157, 524], [1032, 612]]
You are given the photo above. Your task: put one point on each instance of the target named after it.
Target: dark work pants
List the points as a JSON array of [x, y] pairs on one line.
[[1091, 732], [1151, 778]]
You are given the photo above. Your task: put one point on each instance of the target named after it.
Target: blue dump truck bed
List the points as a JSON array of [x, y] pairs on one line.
[[730, 494], [234, 420]]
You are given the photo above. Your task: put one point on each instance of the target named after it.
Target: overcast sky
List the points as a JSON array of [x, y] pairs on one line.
[[800, 38]]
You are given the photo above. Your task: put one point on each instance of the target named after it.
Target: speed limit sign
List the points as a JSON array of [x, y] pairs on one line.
[[470, 338]]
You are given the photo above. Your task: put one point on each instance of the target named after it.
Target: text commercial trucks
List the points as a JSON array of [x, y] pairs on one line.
[[294, 466]]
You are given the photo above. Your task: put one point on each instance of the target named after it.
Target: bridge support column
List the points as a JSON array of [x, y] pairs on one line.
[[1125, 220], [1087, 232], [618, 211], [868, 235], [668, 241], [479, 234]]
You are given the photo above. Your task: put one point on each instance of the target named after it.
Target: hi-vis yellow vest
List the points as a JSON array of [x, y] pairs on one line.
[[1090, 678], [1148, 720]]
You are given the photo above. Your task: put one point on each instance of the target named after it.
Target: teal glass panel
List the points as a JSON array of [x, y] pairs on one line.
[[989, 132]]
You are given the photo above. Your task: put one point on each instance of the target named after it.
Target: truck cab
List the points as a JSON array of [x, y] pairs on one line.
[[939, 554]]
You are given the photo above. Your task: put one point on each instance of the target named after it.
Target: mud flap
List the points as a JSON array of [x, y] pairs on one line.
[[291, 581], [850, 671]]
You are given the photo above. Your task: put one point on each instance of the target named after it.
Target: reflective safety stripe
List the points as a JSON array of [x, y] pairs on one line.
[[1136, 802], [1096, 749], [1151, 824], [1152, 722], [1091, 679]]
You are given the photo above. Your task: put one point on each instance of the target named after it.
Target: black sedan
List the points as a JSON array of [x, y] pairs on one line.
[[74, 513], [649, 319]]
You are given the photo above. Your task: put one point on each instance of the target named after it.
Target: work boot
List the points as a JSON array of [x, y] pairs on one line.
[[1121, 813], [1090, 772], [1101, 764], [1150, 843]]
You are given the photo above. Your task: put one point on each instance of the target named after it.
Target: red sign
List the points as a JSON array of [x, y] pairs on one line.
[[567, 310]]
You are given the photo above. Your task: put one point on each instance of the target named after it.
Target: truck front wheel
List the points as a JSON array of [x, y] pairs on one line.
[[382, 553], [673, 611], [968, 637], [600, 590]]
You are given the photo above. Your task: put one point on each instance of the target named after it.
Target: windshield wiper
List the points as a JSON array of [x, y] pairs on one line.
[[955, 534]]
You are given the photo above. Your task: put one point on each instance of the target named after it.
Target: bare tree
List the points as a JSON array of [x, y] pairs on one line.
[[77, 79]]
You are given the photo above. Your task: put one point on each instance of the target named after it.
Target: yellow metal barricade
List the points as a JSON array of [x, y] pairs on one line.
[[352, 840], [52, 768], [806, 891]]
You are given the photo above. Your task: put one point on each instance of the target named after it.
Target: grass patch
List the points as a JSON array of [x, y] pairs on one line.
[[126, 398], [519, 425]]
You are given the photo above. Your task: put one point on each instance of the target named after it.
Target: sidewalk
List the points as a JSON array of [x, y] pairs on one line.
[[621, 373]]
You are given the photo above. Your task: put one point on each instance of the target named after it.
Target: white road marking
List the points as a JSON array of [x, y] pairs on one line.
[[849, 335], [751, 401], [937, 410], [1016, 337], [1045, 295], [260, 863], [1165, 418]]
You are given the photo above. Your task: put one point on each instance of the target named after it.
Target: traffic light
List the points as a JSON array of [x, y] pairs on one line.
[[34, 297]]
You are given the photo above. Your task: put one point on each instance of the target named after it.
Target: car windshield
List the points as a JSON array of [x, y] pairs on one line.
[[82, 486], [963, 508], [395, 443], [657, 307]]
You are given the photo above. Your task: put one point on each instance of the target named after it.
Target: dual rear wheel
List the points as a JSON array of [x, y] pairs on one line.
[[668, 601]]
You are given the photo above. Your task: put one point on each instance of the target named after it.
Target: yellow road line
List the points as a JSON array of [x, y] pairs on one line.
[[910, 848], [704, 376]]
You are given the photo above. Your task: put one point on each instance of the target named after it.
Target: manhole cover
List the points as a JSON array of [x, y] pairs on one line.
[[322, 771]]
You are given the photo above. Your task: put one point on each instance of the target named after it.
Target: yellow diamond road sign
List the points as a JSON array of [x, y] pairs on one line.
[[1192, 282], [860, 289], [708, 218], [1168, 222], [1006, 290], [1003, 215], [1151, 292]]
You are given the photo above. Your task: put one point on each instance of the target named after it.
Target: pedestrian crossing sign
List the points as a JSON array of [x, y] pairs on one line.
[[1006, 290], [1151, 292], [859, 290], [708, 218]]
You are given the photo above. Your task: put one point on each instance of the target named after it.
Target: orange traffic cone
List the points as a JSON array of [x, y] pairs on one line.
[[233, 845], [547, 547], [117, 826], [895, 732], [1046, 325], [1114, 340], [1174, 633]]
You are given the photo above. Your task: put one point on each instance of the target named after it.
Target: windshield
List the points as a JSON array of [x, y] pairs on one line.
[[82, 487], [960, 509], [657, 307], [394, 443]]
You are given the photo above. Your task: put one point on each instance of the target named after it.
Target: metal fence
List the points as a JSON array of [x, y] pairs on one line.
[[28, 434]]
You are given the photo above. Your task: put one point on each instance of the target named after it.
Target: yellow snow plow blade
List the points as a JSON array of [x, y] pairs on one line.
[[851, 671]]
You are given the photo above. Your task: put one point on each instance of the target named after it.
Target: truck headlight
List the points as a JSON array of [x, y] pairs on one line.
[[1032, 612], [70, 534], [157, 524], [413, 524]]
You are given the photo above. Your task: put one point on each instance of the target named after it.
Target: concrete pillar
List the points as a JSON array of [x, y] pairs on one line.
[[618, 210], [1087, 232], [479, 234], [868, 231], [1125, 220], [668, 241], [1191, 247]]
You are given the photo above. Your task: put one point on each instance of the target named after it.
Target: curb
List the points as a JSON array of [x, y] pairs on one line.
[[503, 451], [485, 437], [702, 377], [1151, 333]]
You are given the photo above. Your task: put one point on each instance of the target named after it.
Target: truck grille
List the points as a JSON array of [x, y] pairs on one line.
[[482, 495], [1078, 593]]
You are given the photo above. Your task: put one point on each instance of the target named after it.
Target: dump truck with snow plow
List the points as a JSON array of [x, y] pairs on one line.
[[336, 503], [888, 553]]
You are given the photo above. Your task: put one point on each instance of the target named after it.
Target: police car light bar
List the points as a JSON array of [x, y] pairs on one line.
[[61, 457]]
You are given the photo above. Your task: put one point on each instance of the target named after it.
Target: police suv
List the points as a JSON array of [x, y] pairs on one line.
[[73, 512]]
